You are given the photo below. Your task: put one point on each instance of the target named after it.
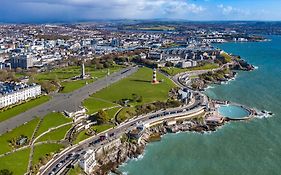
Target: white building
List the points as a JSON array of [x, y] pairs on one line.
[[88, 161], [186, 64], [155, 56], [214, 40], [12, 94]]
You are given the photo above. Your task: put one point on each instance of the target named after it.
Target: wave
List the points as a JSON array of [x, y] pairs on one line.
[[256, 67], [264, 114], [209, 87]]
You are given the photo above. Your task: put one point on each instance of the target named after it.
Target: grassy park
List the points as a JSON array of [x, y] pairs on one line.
[[139, 83], [52, 120], [70, 86], [55, 135], [174, 70], [26, 130], [12, 112], [64, 75], [16, 162], [94, 105]]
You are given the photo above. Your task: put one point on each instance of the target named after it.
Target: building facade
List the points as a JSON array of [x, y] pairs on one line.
[[88, 161], [12, 93], [21, 61]]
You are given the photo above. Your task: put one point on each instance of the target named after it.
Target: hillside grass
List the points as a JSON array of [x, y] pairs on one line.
[[175, 70], [111, 112], [41, 150], [55, 135], [52, 120]]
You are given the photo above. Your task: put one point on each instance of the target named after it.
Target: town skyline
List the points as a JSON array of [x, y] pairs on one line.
[[34, 11]]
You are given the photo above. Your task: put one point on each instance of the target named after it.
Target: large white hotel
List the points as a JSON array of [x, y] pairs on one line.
[[12, 93]]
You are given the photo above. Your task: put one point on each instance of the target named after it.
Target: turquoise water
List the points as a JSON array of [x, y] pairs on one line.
[[233, 111], [238, 148]]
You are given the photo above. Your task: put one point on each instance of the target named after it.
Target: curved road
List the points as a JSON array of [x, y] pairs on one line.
[[73, 153], [65, 102]]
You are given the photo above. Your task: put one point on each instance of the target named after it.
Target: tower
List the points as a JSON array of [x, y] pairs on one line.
[[82, 70], [154, 78]]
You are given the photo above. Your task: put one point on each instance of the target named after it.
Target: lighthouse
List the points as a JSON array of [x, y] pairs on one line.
[[154, 78]]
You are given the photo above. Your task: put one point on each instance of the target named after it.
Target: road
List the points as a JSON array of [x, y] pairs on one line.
[[65, 102], [74, 152]]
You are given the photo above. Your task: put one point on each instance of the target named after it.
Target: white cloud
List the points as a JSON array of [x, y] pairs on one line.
[[126, 8], [229, 10]]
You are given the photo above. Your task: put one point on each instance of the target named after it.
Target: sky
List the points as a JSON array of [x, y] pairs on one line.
[[25, 11]]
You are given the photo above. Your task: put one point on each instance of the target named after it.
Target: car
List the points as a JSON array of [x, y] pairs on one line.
[[59, 165], [102, 137]]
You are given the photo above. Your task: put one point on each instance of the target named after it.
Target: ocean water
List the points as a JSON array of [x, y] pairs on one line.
[[238, 148], [233, 111]]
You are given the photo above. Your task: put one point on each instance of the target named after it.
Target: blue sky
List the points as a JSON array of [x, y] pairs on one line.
[[75, 10]]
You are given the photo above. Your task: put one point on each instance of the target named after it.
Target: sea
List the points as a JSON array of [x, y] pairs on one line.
[[238, 148]]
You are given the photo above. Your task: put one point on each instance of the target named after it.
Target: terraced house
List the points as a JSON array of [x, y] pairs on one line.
[[12, 93]]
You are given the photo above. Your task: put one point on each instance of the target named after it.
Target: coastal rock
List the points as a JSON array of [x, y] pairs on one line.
[[243, 65]]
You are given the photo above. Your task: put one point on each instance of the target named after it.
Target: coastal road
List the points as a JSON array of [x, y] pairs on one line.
[[65, 158], [70, 102]]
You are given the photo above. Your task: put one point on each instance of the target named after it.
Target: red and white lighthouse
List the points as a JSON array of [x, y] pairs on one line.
[[154, 78]]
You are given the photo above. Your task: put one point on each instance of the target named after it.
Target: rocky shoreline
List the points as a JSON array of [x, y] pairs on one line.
[[221, 76], [109, 159]]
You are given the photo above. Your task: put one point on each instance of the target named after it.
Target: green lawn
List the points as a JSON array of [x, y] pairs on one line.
[[125, 113], [94, 105], [139, 83], [111, 112], [41, 150], [59, 74], [52, 120], [226, 56], [81, 136], [75, 171], [55, 135], [74, 85], [99, 128], [174, 70], [70, 86], [26, 130], [70, 72], [16, 162], [9, 113]]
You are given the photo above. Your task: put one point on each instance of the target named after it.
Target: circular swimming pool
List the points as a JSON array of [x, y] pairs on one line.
[[233, 111]]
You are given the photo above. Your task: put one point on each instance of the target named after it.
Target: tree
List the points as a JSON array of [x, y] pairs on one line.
[[5, 172], [18, 70], [48, 86], [102, 116], [169, 64], [3, 75]]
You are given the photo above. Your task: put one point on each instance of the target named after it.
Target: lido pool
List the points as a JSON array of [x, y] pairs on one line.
[[233, 111]]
